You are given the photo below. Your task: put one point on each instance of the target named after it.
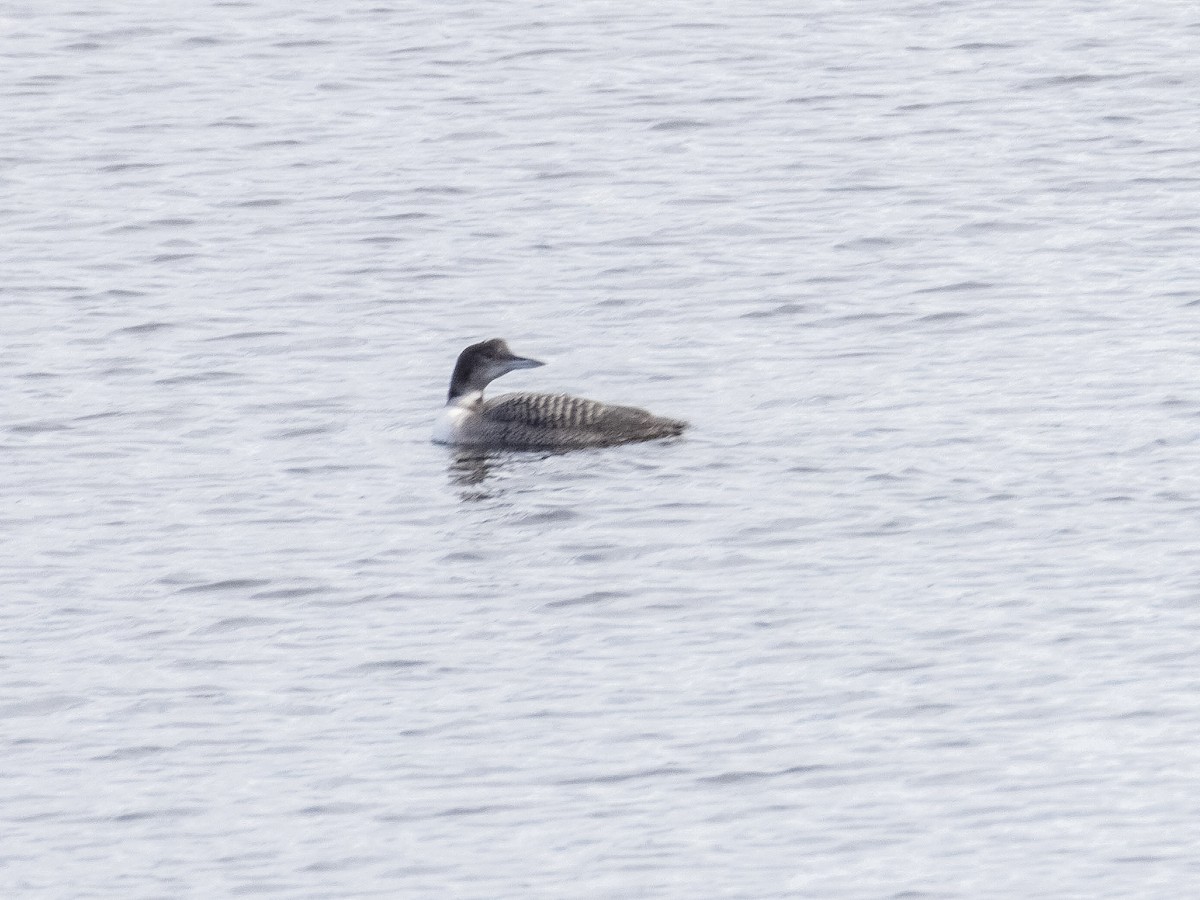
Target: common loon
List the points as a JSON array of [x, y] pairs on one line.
[[533, 421]]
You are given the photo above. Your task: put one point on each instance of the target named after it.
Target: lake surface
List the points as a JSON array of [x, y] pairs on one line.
[[913, 609]]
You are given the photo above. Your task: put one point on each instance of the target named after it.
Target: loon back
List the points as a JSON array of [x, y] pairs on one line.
[[550, 421], [534, 421]]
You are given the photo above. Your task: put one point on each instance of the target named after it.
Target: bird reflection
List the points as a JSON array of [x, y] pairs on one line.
[[474, 470], [469, 469]]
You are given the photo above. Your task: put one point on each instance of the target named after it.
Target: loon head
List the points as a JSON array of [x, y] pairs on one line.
[[482, 363]]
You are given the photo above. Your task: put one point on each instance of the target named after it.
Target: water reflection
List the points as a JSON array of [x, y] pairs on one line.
[[470, 469]]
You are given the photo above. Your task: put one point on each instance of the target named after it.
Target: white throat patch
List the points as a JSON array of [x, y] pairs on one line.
[[448, 428]]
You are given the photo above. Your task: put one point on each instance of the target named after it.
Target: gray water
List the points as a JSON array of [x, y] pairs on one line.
[[911, 611]]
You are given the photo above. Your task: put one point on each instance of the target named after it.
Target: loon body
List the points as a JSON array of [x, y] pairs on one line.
[[533, 421]]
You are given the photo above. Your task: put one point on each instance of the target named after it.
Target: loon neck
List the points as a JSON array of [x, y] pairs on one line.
[[465, 398], [468, 377]]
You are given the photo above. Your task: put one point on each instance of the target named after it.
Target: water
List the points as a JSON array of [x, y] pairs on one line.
[[911, 611]]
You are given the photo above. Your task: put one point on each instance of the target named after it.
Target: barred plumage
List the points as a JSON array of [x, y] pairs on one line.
[[548, 421], [543, 410]]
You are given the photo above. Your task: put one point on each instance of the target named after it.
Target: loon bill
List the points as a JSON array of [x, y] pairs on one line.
[[533, 421]]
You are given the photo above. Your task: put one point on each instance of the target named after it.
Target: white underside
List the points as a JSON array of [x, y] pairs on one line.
[[448, 428]]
